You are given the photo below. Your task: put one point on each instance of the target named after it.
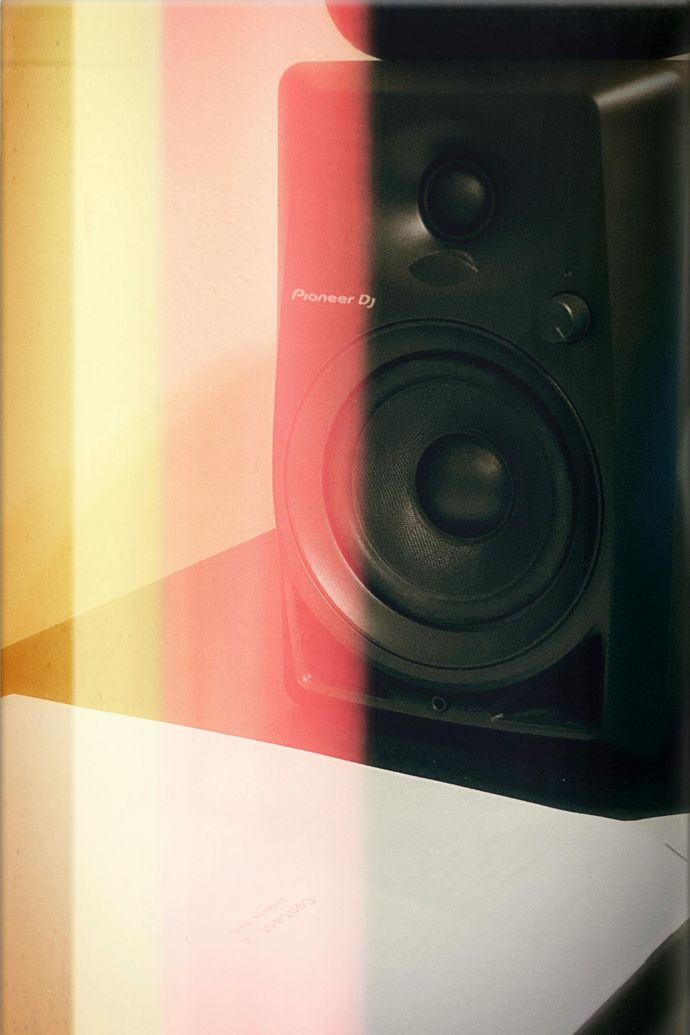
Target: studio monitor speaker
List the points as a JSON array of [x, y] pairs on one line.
[[480, 391]]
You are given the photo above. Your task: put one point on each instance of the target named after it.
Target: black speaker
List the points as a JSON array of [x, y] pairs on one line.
[[480, 392]]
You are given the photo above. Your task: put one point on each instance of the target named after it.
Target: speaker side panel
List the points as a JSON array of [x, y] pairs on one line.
[[644, 147]]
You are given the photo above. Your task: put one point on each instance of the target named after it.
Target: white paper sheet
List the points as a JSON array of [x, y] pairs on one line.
[[220, 885]]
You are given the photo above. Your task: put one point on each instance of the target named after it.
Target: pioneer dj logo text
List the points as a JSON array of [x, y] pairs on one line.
[[299, 294]]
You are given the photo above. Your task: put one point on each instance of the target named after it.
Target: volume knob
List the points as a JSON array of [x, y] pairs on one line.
[[563, 319]]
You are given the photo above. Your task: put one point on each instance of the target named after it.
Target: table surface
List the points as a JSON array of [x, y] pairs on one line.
[[161, 878]]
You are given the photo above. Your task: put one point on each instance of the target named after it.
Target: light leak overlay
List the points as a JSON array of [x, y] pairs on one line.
[[141, 570]]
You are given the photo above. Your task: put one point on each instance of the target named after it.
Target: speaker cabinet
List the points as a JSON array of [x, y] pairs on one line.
[[479, 388]]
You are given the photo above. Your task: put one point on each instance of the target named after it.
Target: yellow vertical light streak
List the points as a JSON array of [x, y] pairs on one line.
[[81, 415], [37, 589], [115, 291], [36, 318], [117, 481], [117, 473]]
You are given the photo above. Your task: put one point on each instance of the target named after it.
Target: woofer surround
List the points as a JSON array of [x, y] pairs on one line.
[[467, 598]]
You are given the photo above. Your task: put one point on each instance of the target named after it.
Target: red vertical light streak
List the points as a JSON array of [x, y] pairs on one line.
[[224, 657]]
